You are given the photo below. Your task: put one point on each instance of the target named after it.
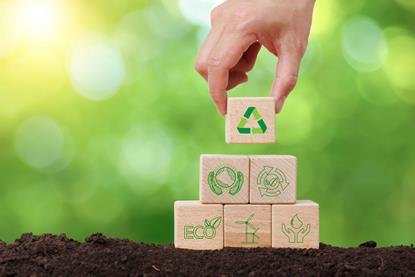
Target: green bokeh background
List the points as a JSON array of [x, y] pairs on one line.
[[126, 159]]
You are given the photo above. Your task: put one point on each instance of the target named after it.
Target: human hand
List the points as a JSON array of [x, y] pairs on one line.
[[239, 29]]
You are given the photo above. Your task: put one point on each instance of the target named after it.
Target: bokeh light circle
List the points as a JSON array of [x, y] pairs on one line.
[[198, 11], [39, 141], [364, 44], [38, 19], [400, 67], [96, 70], [146, 156]]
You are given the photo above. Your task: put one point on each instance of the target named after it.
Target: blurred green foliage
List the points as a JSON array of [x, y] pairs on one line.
[[69, 164]]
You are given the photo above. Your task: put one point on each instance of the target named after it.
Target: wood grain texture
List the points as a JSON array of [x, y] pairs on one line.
[[273, 179], [296, 225], [237, 107], [196, 225], [247, 225], [224, 179]]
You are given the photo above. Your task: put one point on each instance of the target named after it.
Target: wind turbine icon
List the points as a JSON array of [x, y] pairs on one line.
[[250, 230]]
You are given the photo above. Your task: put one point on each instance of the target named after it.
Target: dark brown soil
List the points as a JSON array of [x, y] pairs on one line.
[[51, 255]]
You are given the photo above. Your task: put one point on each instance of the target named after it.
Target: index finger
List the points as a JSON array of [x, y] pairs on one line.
[[201, 62], [225, 55]]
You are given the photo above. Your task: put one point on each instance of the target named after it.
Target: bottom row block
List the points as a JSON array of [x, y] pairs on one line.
[[213, 226], [247, 225], [198, 226]]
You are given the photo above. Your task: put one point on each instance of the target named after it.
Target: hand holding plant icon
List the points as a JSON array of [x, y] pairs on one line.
[[296, 231]]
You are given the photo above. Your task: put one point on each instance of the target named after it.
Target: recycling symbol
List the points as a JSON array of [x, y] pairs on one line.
[[271, 181], [225, 178], [246, 130]]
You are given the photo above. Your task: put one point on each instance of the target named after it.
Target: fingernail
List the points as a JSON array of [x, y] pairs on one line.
[[221, 110], [280, 103]]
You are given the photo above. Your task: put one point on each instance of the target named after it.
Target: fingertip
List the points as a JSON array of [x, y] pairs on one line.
[[221, 110], [279, 100], [279, 104], [281, 88], [220, 105]]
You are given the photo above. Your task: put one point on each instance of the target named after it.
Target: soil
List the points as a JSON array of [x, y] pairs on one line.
[[52, 255]]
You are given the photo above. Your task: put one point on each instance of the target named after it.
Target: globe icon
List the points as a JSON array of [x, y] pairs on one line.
[[225, 177]]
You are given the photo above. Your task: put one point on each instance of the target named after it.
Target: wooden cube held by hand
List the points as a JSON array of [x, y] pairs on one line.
[[250, 120]]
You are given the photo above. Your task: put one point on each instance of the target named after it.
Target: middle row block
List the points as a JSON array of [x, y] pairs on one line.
[[248, 179]]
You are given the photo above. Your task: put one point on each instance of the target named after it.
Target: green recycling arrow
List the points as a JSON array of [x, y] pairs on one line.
[[257, 130], [269, 192], [271, 181]]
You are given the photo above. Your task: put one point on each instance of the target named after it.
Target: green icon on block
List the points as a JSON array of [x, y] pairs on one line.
[[250, 230], [225, 178], [271, 181], [251, 111], [296, 231], [206, 231]]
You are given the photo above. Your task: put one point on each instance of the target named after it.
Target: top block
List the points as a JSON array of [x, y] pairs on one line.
[[250, 120]]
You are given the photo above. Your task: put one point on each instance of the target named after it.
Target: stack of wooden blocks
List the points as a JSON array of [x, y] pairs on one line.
[[247, 201]]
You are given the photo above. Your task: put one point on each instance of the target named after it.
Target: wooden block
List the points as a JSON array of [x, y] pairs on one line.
[[224, 179], [250, 120], [247, 225], [273, 179], [197, 225], [295, 225]]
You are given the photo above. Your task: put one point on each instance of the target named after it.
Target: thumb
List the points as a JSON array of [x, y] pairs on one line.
[[286, 76]]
